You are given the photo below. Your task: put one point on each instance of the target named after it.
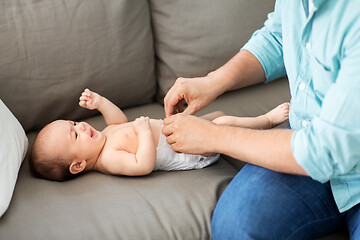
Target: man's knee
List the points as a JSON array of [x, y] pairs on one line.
[[232, 217], [223, 224], [243, 208], [228, 224]]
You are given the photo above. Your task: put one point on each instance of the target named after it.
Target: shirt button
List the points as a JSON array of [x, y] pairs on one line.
[[308, 45], [302, 86], [304, 123]]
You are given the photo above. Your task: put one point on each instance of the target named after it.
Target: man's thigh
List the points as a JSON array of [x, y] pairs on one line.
[[353, 222], [263, 204]]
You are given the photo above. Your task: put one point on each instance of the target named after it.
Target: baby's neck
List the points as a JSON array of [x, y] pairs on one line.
[[94, 164]]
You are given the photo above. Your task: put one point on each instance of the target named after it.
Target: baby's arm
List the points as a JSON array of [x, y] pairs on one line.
[[112, 114], [141, 163], [268, 120]]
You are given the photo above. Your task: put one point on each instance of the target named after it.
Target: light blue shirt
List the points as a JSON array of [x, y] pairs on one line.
[[319, 50]]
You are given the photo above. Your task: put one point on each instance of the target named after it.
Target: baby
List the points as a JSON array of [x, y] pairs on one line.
[[64, 149]]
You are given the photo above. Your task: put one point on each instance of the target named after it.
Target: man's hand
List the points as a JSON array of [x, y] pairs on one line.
[[196, 92], [190, 134], [90, 100], [142, 124]]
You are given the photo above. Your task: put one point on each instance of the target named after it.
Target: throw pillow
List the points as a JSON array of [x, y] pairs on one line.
[[13, 147]]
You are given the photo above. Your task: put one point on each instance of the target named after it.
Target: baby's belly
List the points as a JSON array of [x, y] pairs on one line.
[[156, 127]]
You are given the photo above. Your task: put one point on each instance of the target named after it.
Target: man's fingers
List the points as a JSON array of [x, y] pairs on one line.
[[169, 108], [175, 97], [168, 105], [167, 130], [172, 104], [180, 106], [169, 120], [170, 139], [190, 110]]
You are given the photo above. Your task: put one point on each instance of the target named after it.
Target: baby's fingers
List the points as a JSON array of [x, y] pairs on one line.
[[86, 93], [84, 98], [82, 104]]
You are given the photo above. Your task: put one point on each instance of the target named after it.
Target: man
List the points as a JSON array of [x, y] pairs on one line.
[[317, 44]]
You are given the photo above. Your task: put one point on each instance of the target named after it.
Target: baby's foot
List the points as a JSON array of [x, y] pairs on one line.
[[279, 114]]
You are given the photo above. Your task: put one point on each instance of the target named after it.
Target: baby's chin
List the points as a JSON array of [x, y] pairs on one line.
[[95, 134]]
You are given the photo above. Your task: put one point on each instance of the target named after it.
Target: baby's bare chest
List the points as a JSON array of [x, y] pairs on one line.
[[122, 138]]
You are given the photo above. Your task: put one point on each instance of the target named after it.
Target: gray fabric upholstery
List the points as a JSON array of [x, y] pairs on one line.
[[193, 38], [52, 50]]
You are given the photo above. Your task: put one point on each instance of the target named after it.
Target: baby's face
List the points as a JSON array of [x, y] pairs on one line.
[[80, 140]]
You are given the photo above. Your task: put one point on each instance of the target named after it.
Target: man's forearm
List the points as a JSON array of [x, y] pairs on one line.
[[267, 148], [244, 69], [111, 113]]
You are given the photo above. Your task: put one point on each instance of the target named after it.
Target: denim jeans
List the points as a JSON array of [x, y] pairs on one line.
[[263, 204]]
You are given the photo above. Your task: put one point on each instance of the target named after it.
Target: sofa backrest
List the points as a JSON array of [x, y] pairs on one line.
[[193, 38], [51, 50]]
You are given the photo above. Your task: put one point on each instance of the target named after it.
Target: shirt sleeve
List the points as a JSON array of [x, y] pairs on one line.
[[331, 145], [266, 45]]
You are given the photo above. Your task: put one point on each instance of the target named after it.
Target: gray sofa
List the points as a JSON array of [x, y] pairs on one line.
[[130, 51]]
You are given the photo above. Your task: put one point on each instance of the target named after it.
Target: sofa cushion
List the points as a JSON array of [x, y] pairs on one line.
[[52, 50], [13, 146], [194, 38], [162, 205]]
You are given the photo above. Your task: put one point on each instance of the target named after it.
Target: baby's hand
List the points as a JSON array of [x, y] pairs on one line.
[[141, 124], [90, 100]]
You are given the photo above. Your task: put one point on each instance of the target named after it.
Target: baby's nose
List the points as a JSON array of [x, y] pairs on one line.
[[82, 126]]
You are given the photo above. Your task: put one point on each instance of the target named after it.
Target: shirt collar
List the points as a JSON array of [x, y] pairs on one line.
[[317, 5]]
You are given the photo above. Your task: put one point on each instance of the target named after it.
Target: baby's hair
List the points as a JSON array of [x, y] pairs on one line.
[[45, 164]]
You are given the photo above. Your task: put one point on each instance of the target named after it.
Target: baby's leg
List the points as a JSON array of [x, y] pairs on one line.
[[279, 114], [213, 115], [268, 120]]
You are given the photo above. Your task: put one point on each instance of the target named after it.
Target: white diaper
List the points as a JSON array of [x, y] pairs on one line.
[[168, 160]]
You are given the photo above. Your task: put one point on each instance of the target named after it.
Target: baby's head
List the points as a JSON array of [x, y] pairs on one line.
[[64, 149]]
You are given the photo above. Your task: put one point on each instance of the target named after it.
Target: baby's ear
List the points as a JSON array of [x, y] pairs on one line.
[[77, 166]]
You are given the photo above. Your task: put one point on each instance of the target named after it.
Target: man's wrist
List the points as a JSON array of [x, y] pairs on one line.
[[215, 139]]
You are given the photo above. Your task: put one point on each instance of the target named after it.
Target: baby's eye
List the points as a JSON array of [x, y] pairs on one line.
[[76, 135]]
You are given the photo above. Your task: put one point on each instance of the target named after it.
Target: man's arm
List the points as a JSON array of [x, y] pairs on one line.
[[242, 70], [111, 113], [267, 148]]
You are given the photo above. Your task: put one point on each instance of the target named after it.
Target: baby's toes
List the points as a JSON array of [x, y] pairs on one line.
[[285, 106]]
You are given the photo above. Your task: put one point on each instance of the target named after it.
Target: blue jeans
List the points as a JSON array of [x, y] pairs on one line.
[[263, 204]]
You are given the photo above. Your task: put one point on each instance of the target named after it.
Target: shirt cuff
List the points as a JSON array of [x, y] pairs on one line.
[[265, 48], [304, 150]]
